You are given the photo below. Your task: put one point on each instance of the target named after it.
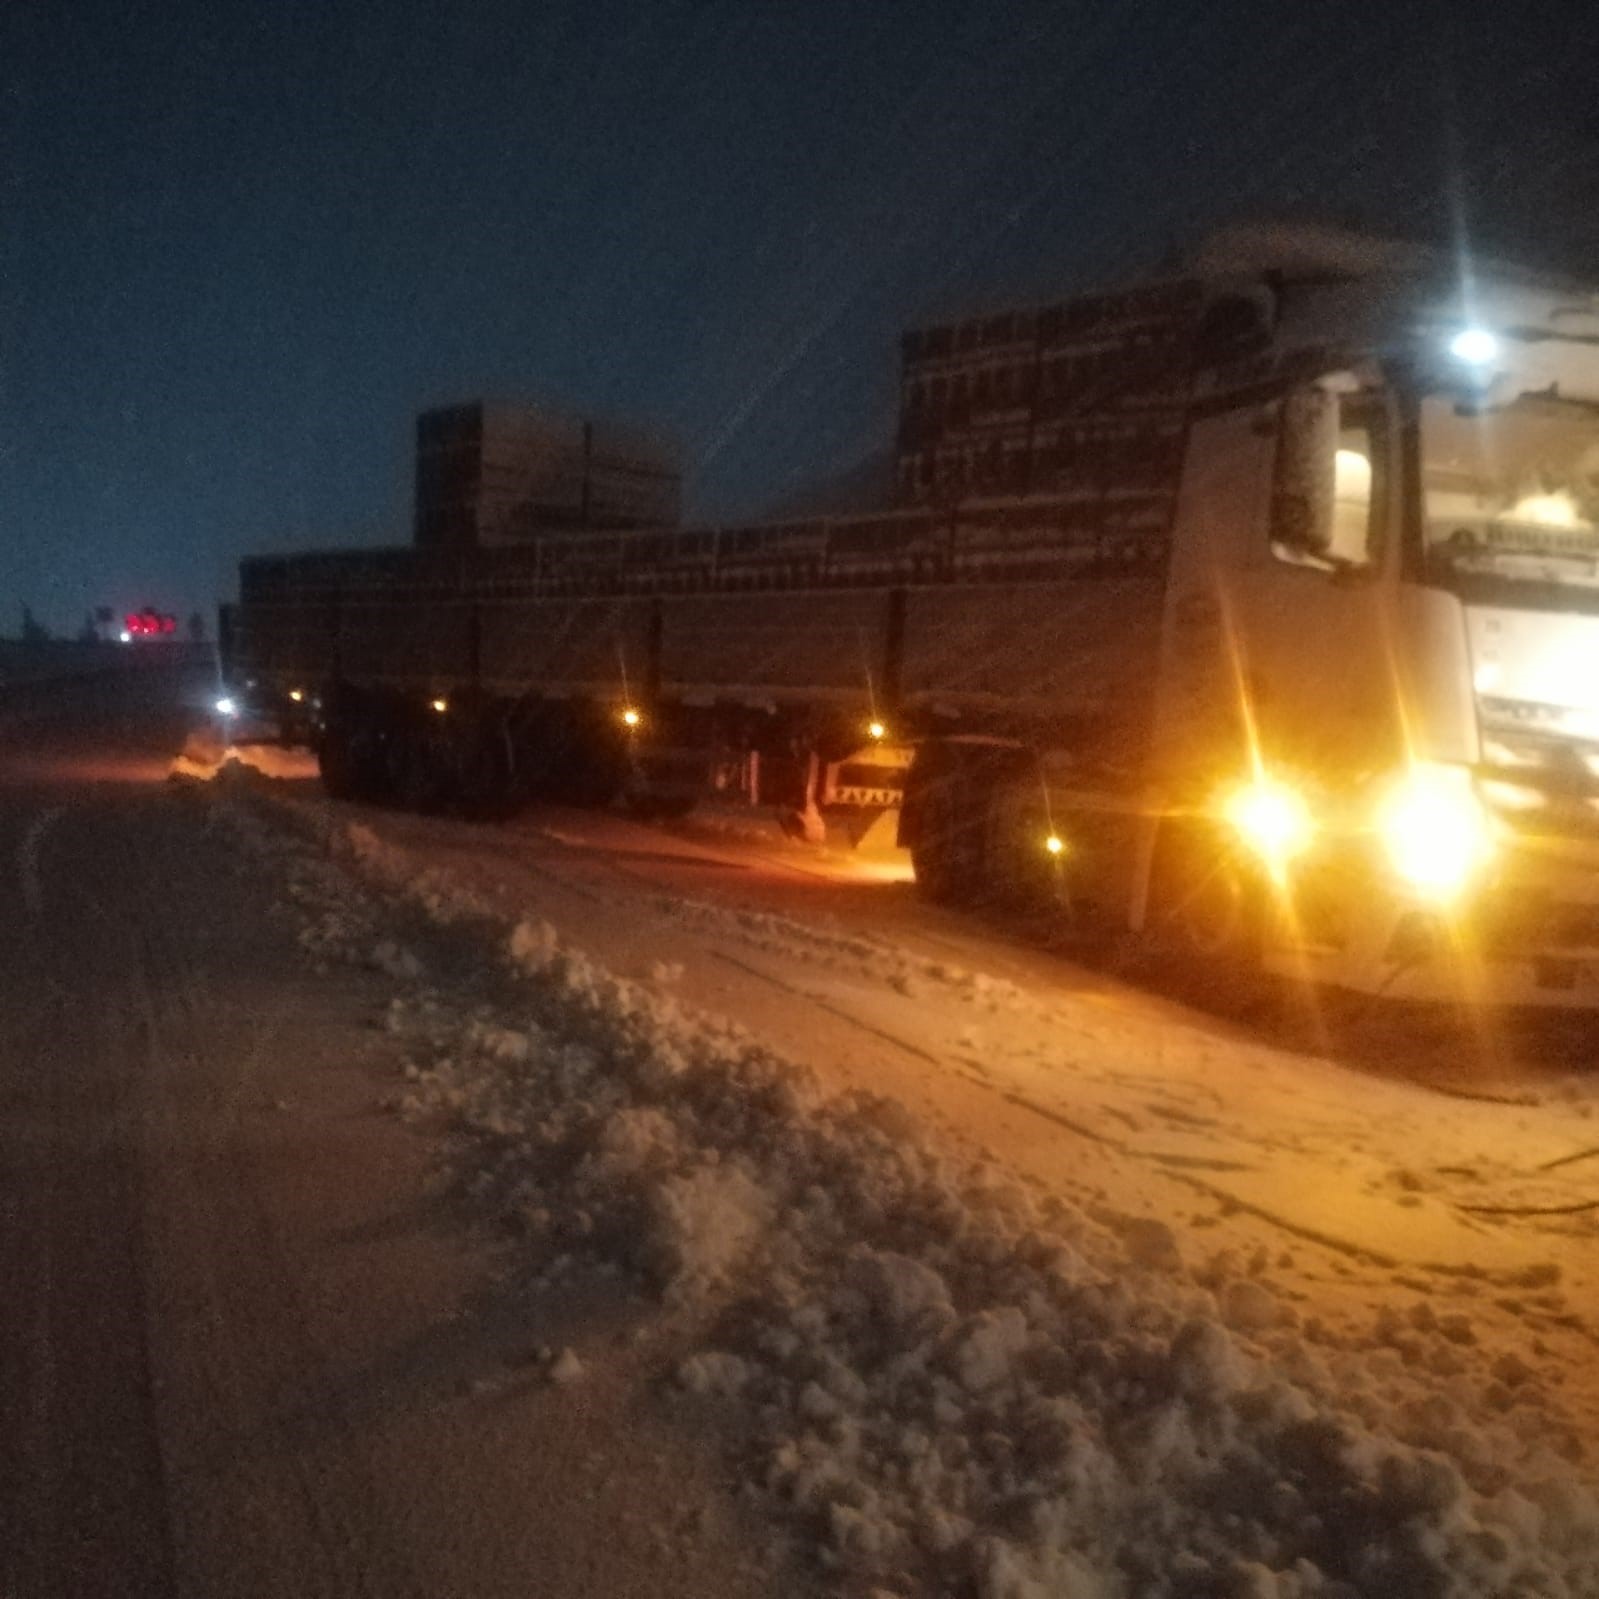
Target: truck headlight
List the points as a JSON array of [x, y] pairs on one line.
[[1435, 829], [1474, 346], [1272, 819]]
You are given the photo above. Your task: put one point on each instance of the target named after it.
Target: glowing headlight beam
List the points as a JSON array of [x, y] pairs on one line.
[[1272, 819], [226, 706], [1474, 346], [1435, 830]]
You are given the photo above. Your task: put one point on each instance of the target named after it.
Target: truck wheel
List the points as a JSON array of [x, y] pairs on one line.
[[351, 758], [591, 780], [487, 787], [1020, 870], [336, 764], [576, 758], [941, 852], [418, 775]]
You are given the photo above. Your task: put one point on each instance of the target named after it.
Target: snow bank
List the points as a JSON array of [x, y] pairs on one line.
[[954, 1384]]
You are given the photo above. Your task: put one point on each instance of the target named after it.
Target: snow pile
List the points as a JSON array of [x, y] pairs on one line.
[[954, 1385]]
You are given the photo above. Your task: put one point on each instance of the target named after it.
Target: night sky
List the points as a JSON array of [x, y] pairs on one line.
[[241, 244]]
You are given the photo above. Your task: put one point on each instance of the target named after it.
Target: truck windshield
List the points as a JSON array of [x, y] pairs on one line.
[[1510, 500]]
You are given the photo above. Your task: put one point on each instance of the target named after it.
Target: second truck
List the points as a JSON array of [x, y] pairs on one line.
[[1254, 611]]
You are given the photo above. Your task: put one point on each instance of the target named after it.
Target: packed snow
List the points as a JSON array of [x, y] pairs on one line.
[[947, 1380]]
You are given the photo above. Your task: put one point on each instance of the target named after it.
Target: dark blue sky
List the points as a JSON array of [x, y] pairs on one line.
[[244, 243]]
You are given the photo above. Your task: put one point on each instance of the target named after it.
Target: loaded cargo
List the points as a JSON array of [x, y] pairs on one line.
[[1254, 612]]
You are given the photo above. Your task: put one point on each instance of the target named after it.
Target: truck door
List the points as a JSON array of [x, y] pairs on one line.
[[1284, 560], [1275, 656], [1222, 505], [1313, 592]]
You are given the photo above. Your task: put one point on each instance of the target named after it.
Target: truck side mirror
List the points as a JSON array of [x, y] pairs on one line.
[[1304, 484]]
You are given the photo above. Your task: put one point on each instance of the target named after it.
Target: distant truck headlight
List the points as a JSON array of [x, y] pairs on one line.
[[1435, 829], [226, 706], [1272, 819], [1474, 346]]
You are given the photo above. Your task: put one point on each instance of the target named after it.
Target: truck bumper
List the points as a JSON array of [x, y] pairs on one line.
[[1528, 937]]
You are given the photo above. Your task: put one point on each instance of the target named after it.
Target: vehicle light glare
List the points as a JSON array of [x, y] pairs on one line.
[[1055, 845], [630, 717], [441, 705], [1474, 346], [1435, 830], [296, 694], [226, 705], [1272, 819], [875, 730], [124, 637]]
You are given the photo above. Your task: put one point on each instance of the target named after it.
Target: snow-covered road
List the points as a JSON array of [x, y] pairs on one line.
[[1405, 1233], [240, 1352], [1399, 1140]]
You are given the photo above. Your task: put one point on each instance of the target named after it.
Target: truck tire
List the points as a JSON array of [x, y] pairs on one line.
[[418, 769], [487, 780], [1018, 869], [978, 820], [336, 764], [351, 756], [946, 865], [567, 754]]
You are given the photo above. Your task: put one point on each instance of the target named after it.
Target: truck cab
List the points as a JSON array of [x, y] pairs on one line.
[[1380, 662]]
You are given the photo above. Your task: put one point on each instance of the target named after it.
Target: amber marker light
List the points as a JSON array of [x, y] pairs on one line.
[[876, 730], [631, 718], [441, 705]]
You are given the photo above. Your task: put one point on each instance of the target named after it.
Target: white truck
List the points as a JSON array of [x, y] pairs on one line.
[[1255, 611]]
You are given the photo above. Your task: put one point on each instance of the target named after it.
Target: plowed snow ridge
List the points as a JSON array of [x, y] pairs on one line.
[[952, 1385]]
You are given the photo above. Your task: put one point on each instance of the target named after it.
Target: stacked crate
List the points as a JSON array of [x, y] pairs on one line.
[[1083, 400], [489, 475]]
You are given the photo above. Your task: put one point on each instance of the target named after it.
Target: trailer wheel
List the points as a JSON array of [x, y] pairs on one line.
[[336, 764], [570, 755], [487, 781], [591, 779], [351, 757], [941, 851], [418, 769]]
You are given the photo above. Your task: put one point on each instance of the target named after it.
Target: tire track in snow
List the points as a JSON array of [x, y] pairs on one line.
[[581, 869]]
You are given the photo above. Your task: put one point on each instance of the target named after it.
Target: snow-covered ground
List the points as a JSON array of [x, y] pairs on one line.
[[1001, 1279]]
